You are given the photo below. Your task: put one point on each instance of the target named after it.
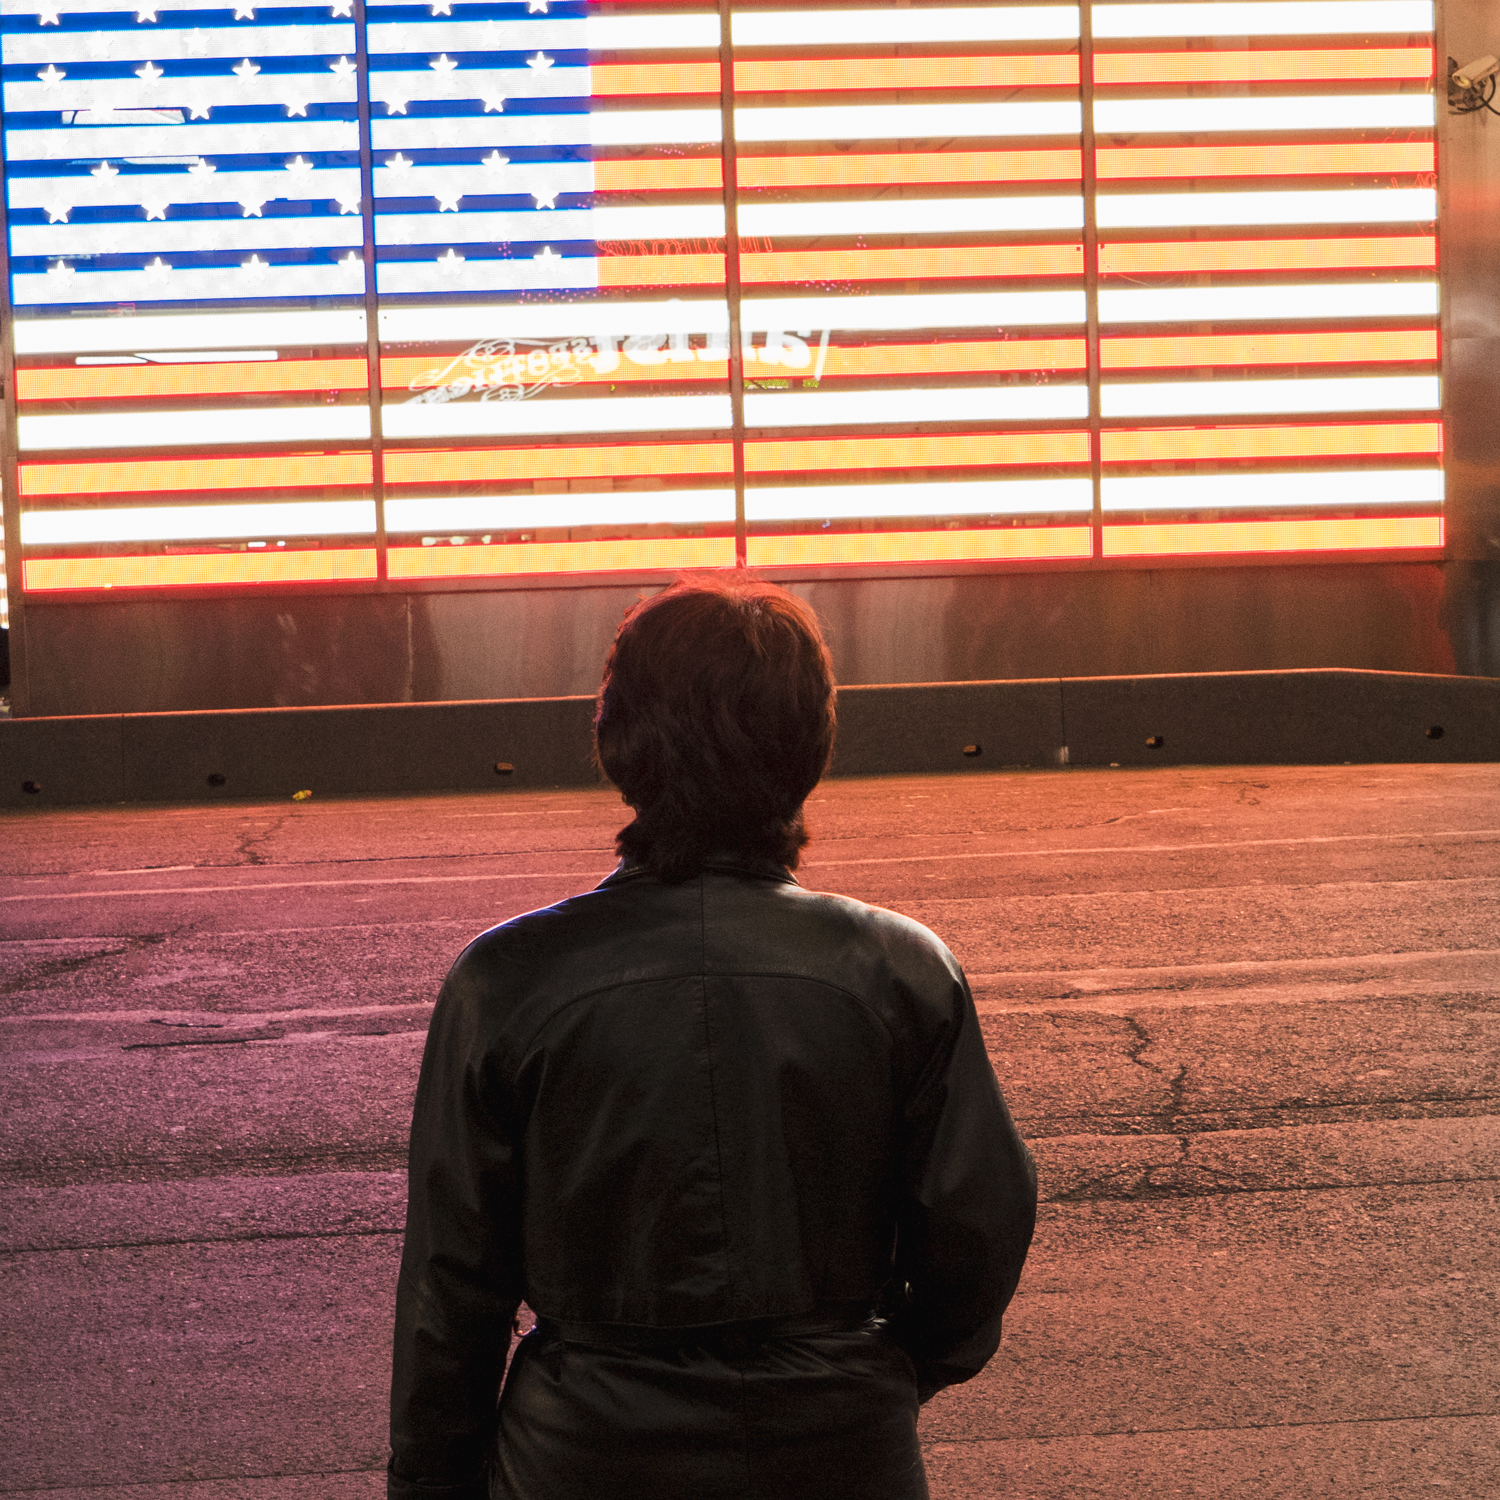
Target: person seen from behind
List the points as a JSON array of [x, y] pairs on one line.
[[735, 1142]]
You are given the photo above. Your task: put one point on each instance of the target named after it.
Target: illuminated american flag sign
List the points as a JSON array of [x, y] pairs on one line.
[[314, 294]]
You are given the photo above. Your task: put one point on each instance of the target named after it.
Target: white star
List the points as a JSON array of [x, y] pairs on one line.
[[157, 271], [341, 8], [533, 6], [196, 44], [494, 162], [51, 76], [398, 163], [395, 101], [545, 257], [443, 64], [105, 170], [246, 69], [252, 206], [493, 100], [540, 61], [47, 15], [62, 272], [448, 200], [442, 7], [451, 263], [301, 170], [353, 258], [203, 167], [145, 13], [243, 11], [155, 203], [546, 197], [98, 44], [255, 268], [58, 210], [198, 105], [348, 203], [295, 104], [343, 68], [148, 72]]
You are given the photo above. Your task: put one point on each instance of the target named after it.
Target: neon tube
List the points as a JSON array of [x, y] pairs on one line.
[[1389, 299], [199, 428], [1301, 66], [834, 28], [227, 330], [1351, 206], [1305, 159], [522, 465], [1264, 18], [906, 215], [937, 263], [282, 471], [523, 512], [171, 523], [1176, 257], [1228, 444], [614, 556], [148, 382], [875, 169], [1010, 403], [1249, 397], [995, 497], [1274, 491], [914, 452], [202, 569], [1349, 534], [989, 544], [838, 122], [1363, 347], [1286, 112], [583, 414]]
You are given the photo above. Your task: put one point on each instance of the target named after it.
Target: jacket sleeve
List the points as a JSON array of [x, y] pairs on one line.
[[966, 1208], [460, 1281]]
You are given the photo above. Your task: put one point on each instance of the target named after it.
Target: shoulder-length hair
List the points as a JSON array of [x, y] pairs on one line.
[[715, 719]]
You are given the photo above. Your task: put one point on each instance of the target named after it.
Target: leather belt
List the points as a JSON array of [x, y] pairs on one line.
[[733, 1340]]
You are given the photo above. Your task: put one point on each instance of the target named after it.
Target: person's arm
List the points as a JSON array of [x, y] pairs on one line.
[[967, 1209], [460, 1281]]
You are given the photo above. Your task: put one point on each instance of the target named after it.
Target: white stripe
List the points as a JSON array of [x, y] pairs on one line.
[[868, 28], [1181, 398], [1374, 299], [586, 414], [438, 275], [840, 122], [1263, 491], [168, 523], [143, 142], [1341, 206], [195, 428], [624, 127], [994, 403], [166, 44], [548, 34], [181, 186], [937, 310], [911, 216], [195, 284], [471, 513], [1264, 18], [184, 235], [465, 325], [98, 95], [475, 81], [1265, 113], [992, 497], [188, 331], [537, 226]]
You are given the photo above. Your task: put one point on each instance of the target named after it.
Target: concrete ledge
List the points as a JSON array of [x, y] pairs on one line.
[[1291, 718]]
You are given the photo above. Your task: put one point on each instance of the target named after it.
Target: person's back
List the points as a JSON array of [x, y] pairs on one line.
[[739, 1147]]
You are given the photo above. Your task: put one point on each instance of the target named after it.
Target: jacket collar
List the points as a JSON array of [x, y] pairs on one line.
[[746, 867]]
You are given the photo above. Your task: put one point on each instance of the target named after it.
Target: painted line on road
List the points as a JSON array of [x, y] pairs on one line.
[[822, 864]]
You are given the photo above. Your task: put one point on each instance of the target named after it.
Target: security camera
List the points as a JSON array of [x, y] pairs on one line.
[[1474, 73]]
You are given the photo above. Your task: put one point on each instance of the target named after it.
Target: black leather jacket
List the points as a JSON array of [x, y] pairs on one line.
[[720, 1123]]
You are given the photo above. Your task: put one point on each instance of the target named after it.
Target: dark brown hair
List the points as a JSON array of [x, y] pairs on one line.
[[715, 720]]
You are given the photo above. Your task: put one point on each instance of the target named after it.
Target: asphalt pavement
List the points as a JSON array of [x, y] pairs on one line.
[[1249, 1020]]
